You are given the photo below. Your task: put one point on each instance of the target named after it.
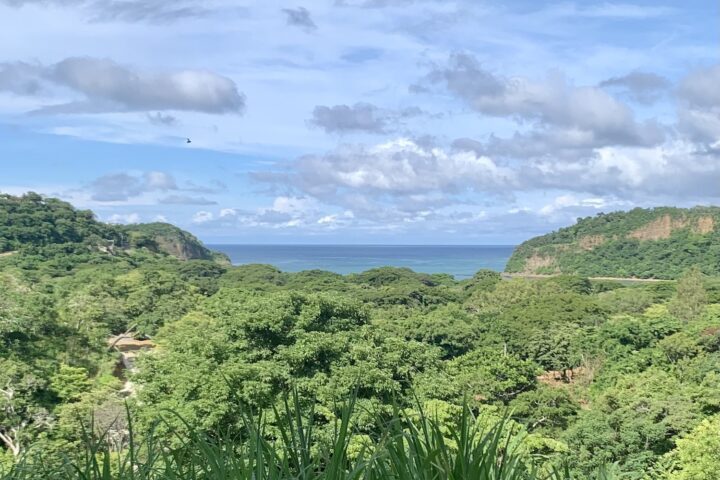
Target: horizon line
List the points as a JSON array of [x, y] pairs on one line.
[[362, 244]]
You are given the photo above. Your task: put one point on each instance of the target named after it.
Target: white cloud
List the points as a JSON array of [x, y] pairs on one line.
[[202, 217], [565, 201], [328, 219], [228, 212], [105, 86], [398, 167], [284, 204], [124, 218], [553, 103], [699, 110]]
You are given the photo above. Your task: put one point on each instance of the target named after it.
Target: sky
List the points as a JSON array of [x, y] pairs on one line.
[[361, 121]]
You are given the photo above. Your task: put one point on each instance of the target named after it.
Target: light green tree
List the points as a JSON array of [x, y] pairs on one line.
[[690, 299], [698, 454]]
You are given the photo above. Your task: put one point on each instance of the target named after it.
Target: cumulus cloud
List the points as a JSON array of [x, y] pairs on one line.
[[699, 111], [109, 87], [633, 173], [361, 117], [202, 217], [551, 104], [299, 17], [124, 218], [568, 201], [393, 180], [676, 168], [284, 212], [398, 167], [403, 181], [642, 87]]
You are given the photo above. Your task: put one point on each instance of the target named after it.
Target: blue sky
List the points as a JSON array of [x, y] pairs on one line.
[[360, 121]]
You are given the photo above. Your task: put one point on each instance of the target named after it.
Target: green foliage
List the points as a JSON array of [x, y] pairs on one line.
[[592, 372], [545, 409], [698, 453], [450, 327], [628, 300], [32, 220], [493, 376], [645, 243], [690, 298], [256, 277], [69, 383], [483, 280], [421, 444], [50, 228]]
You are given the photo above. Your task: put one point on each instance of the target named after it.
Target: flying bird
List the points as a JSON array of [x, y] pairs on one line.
[[188, 141]]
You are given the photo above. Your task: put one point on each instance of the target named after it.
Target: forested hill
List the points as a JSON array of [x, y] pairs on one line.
[[118, 362], [46, 225], [645, 243]]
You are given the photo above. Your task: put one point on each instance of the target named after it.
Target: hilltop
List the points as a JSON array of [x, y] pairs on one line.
[[171, 240], [35, 223], [660, 242]]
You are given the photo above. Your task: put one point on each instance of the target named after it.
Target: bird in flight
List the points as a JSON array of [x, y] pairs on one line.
[[188, 141]]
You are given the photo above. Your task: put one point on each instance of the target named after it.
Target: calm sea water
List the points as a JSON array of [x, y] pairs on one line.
[[462, 261]]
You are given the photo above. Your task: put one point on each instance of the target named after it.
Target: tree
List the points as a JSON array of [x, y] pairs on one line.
[[21, 413], [494, 376], [449, 327], [690, 299], [546, 409], [698, 453], [70, 383], [633, 422]]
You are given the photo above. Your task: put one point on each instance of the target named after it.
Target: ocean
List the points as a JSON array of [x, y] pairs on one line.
[[461, 261]]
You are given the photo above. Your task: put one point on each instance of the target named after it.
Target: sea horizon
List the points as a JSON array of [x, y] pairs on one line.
[[460, 261]]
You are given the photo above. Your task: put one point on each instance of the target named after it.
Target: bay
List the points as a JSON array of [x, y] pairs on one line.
[[461, 261]]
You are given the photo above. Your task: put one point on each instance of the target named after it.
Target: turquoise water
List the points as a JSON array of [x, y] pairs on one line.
[[462, 261]]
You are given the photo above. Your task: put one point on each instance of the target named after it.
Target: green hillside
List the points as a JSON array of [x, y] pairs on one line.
[[644, 243], [50, 226], [118, 361]]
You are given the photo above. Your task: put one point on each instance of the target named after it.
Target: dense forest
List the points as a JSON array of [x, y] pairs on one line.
[[134, 352], [644, 243]]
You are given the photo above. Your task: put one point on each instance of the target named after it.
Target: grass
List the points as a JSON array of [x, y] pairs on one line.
[[408, 449]]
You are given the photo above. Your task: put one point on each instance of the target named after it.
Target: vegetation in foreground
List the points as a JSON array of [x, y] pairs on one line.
[[582, 373], [413, 446]]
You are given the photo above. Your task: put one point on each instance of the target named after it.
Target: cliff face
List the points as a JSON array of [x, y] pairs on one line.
[[33, 221], [170, 240], [645, 243]]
